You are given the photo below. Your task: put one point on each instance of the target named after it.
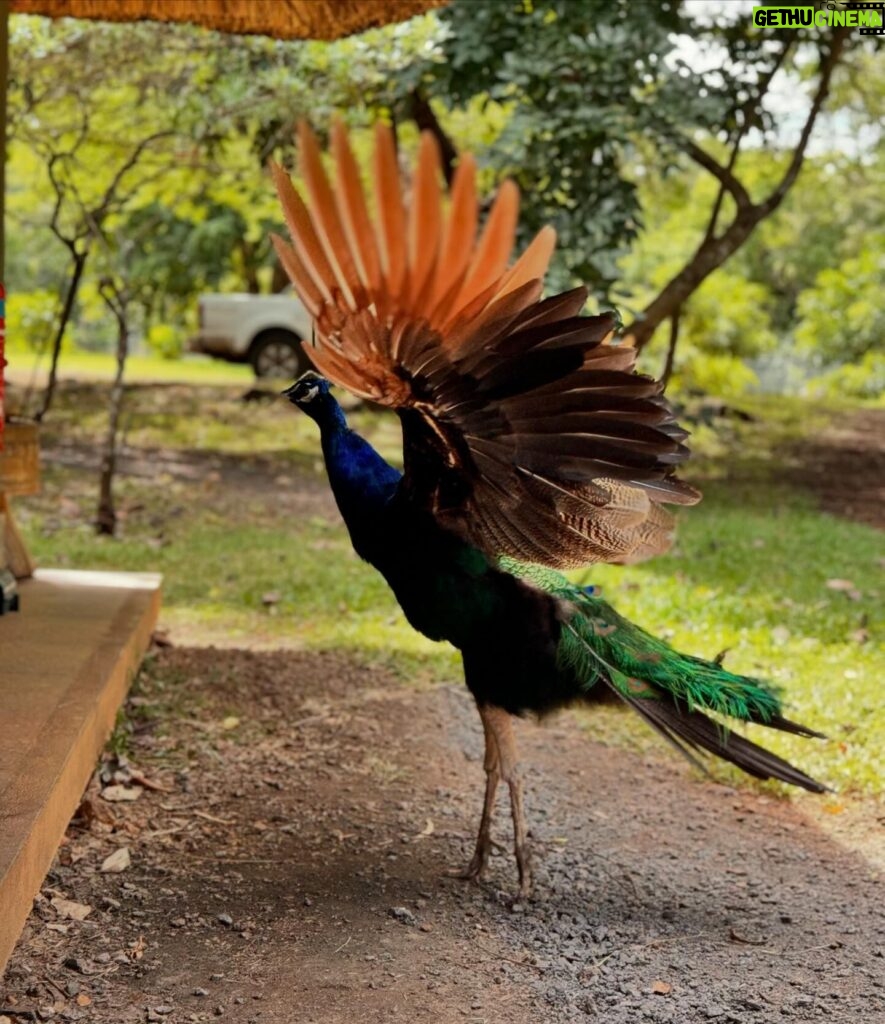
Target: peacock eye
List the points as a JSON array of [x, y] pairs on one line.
[[310, 393]]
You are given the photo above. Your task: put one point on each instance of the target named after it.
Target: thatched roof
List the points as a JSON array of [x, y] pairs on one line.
[[283, 19]]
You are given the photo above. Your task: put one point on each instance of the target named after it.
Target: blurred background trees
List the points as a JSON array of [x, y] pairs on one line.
[[721, 185]]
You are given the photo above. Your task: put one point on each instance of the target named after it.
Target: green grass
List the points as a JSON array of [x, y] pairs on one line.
[[749, 571], [101, 366]]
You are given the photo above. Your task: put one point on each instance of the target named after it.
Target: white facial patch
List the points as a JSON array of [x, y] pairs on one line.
[[310, 394]]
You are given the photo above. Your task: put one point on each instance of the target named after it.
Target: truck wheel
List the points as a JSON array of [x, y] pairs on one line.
[[277, 354]]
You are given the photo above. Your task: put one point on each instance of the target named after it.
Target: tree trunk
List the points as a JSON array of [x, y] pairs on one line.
[[709, 256], [106, 515], [63, 319], [279, 279], [426, 120], [250, 270]]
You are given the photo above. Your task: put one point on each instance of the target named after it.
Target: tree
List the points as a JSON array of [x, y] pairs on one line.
[[588, 94], [843, 317], [97, 116]]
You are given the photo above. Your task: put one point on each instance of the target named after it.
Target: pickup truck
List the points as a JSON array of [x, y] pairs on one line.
[[264, 330]]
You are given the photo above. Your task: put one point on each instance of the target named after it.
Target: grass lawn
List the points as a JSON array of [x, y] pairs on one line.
[[24, 367], [228, 500]]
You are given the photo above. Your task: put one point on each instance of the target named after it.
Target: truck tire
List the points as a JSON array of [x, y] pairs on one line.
[[277, 353]]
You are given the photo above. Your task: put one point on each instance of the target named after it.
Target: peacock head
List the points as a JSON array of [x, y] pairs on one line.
[[309, 392]]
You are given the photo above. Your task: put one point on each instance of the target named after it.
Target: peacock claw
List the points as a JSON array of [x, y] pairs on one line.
[[472, 873]]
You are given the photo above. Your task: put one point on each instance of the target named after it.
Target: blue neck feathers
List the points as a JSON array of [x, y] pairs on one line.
[[361, 480]]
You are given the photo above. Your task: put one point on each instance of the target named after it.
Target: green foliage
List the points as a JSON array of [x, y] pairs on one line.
[[843, 316], [864, 379], [30, 319], [166, 341], [579, 80], [713, 373]]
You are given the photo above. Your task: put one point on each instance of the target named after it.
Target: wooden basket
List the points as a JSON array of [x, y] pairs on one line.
[[20, 459]]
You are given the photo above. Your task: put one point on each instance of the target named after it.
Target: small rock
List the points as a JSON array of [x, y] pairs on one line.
[[225, 919], [121, 794], [70, 909], [786, 919], [425, 927], [403, 915], [164, 1010], [201, 992], [178, 922], [74, 963], [116, 862]]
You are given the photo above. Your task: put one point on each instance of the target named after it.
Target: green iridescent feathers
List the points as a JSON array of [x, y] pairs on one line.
[[598, 643]]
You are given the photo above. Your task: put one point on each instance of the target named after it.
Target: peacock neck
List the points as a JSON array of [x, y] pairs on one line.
[[361, 480]]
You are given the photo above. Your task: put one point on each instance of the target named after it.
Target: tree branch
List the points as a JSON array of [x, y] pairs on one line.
[[723, 174], [827, 66], [99, 211]]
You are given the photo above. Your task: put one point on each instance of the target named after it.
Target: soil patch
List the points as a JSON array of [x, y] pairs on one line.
[[845, 467]]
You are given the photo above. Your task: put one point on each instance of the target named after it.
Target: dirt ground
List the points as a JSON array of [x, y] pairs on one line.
[[295, 815], [845, 467], [290, 866]]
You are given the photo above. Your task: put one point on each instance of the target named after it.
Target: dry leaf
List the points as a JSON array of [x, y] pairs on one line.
[[118, 861], [743, 940], [231, 722], [91, 810], [83, 1000], [846, 587], [120, 794], [427, 830], [143, 780], [662, 988], [70, 909]]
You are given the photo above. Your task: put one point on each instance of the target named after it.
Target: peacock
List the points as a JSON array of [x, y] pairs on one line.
[[530, 446]]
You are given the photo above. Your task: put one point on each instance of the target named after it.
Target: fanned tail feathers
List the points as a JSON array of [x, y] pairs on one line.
[[524, 430]]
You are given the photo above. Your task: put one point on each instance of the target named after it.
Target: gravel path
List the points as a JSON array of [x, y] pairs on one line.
[[291, 870]]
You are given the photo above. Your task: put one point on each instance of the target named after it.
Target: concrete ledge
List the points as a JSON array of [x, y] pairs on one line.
[[66, 661]]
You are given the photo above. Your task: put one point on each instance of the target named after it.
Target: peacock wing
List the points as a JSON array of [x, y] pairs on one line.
[[524, 429]]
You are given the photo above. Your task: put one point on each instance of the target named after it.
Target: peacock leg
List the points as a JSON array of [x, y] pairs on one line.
[[478, 862], [501, 725]]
